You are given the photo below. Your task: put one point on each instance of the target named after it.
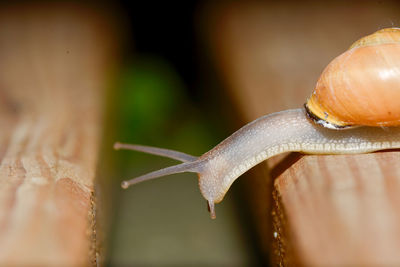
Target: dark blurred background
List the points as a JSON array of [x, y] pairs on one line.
[[165, 30]]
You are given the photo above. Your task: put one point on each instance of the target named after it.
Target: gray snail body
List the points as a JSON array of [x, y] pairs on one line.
[[299, 130]]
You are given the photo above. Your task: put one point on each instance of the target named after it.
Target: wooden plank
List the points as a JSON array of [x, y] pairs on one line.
[[345, 208], [53, 68], [338, 210]]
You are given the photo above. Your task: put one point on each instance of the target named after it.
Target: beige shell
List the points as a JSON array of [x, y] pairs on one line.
[[362, 85]]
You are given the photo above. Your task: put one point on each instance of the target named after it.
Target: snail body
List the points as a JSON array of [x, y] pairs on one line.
[[309, 130]]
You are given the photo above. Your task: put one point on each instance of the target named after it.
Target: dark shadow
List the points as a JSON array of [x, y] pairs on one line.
[[388, 150], [285, 164]]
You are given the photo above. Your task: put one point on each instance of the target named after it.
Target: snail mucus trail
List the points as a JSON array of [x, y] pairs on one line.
[[353, 109]]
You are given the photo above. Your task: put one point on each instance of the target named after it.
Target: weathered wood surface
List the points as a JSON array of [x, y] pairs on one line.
[[330, 210], [52, 74]]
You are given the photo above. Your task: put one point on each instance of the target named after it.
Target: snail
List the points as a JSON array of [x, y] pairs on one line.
[[354, 108]]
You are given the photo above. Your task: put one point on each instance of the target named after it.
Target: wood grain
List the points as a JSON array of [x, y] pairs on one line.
[[53, 69], [328, 210], [345, 208]]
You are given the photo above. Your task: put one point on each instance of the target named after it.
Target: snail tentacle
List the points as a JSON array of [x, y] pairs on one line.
[[168, 153], [183, 167]]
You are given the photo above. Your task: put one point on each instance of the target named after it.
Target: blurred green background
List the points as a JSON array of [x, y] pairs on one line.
[[164, 222], [165, 93]]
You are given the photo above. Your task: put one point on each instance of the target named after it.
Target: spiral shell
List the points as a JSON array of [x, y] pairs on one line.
[[362, 85]]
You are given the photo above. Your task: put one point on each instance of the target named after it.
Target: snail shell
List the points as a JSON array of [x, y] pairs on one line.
[[361, 86]]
